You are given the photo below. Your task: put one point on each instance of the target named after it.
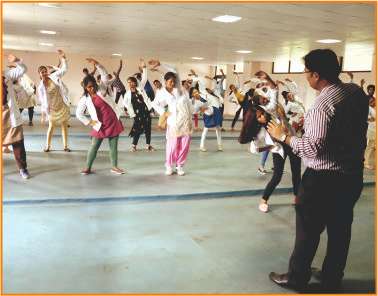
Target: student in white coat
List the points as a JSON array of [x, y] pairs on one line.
[[139, 107], [53, 95], [104, 119], [12, 132], [179, 119], [25, 95]]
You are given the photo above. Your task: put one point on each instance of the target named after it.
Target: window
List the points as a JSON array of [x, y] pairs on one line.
[[296, 66], [357, 58], [281, 67], [218, 68], [286, 67], [239, 67]]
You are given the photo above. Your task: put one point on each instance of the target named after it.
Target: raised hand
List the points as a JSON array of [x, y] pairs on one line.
[[142, 63], [92, 61], [12, 58], [154, 63], [61, 53]]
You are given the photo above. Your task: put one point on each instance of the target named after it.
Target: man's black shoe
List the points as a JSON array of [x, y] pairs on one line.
[[283, 281]]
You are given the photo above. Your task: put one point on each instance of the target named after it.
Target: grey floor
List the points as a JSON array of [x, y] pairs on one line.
[[144, 232]]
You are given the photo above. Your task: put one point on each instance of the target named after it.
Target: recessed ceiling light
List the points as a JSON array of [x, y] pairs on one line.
[[328, 41], [51, 5], [226, 19], [197, 58], [244, 51], [46, 44], [116, 54], [47, 32]]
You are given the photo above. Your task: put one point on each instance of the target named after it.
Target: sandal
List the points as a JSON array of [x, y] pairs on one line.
[[67, 150], [133, 149], [46, 149], [149, 148]]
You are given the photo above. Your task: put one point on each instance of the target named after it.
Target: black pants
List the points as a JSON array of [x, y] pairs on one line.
[[20, 154], [30, 113], [137, 136], [325, 200], [119, 94], [244, 107], [279, 164]]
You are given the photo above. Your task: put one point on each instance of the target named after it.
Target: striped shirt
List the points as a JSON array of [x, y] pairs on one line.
[[335, 130]]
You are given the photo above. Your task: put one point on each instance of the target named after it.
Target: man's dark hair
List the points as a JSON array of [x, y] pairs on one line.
[[85, 70], [170, 75], [325, 63], [371, 86]]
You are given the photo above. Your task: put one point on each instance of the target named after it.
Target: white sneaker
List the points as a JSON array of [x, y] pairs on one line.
[[263, 207], [24, 174], [117, 171], [180, 171], [261, 171], [220, 148], [168, 171], [203, 149]]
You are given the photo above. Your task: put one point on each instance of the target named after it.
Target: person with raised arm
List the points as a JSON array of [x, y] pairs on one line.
[[12, 132], [104, 119], [53, 95], [139, 108]]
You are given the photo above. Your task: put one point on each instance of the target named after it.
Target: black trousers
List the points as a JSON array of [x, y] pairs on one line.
[[20, 154], [30, 113], [137, 136], [119, 94], [279, 164], [244, 107], [325, 201]]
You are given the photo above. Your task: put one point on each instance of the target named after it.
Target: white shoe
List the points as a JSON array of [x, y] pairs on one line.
[[168, 171], [263, 207], [220, 148], [117, 171], [180, 171], [261, 171], [24, 174], [203, 149]]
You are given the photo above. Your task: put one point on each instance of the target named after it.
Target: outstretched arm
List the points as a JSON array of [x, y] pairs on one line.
[[119, 68], [16, 72]]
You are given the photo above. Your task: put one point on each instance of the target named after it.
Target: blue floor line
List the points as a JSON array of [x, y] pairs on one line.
[[151, 198], [126, 136]]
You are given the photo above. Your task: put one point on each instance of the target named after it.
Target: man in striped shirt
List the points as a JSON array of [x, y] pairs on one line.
[[332, 149]]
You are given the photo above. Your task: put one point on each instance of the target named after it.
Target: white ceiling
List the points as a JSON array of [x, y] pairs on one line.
[[176, 32]]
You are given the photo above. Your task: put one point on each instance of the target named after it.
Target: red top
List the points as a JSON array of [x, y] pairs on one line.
[[111, 126]]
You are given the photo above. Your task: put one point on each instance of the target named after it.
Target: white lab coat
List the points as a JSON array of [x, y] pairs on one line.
[[262, 140], [86, 103], [56, 78], [11, 75]]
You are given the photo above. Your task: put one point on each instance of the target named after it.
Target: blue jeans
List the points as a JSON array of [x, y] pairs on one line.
[[264, 157]]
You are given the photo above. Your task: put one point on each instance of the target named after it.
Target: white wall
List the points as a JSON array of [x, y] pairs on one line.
[[77, 62]]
